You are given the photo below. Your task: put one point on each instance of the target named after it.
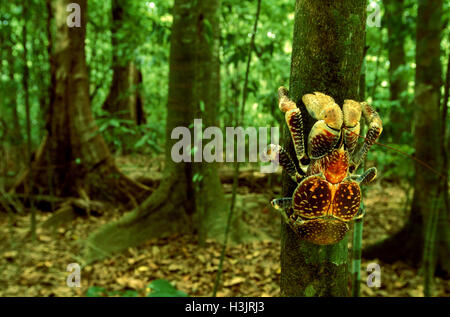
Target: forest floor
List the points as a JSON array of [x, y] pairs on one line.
[[38, 268]]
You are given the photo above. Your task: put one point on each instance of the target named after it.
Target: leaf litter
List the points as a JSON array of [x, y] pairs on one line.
[[253, 269]]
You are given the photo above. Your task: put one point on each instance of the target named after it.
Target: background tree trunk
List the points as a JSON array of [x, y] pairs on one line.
[[136, 100], [408, 243], [123, 101], [443, 223], [398, 82], [16, 135], [210, 201], [181, 204], [327, 55], [73, 159]]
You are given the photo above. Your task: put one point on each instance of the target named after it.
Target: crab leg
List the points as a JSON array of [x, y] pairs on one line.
[[277, 155], [281, 203], [375, 127], [360, 215], [325, 133], [352, 115], [367, 177], [294, 121], [284, 206]]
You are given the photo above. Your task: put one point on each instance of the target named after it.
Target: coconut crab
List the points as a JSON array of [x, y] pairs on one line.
[[328, 193]]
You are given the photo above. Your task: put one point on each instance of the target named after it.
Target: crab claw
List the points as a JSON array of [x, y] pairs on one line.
[[322, 139], [326, 132], [323, 107], [352, 114]]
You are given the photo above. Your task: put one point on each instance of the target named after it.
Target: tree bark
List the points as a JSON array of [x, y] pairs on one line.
[[136, 101], [73, 158], [398, 81], [16, 135], [443, 238], [123, 101], [327, 55], [181, 203], [408, 244]]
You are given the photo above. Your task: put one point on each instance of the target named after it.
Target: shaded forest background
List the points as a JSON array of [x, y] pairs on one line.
[[85, 124]]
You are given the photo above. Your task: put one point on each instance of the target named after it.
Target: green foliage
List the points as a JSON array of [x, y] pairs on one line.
[[197, 178], [157, 288], [270, 62], [393, 164], [163, 288], [96, 291], [123, 133], [144, 37]]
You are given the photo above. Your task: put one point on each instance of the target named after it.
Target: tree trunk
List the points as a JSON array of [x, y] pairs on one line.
[[398, 80], [73, 158], [10, 130], [16, 135], [183, 202], [407, 245], [327, 55], [443, 238], [123, 101], [136, 99]]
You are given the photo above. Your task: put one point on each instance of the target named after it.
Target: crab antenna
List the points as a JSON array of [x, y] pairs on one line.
[[401, 152]]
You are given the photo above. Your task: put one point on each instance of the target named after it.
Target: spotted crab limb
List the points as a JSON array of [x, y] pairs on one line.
[[323, 107], [352, 114], [326, 132], [367, 177], [375, 127], [284, 206], [322, 140], [361, 213], [294, 122], [276, 154], [281, 203]]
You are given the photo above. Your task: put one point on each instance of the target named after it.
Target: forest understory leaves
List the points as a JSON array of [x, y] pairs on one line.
[[253, 269]]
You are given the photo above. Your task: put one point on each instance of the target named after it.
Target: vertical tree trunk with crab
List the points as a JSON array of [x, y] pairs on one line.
[[190, 197], [73, 158], [327, 55], [408, 244]]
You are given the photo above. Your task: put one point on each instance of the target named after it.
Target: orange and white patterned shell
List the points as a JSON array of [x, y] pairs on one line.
[[315, 197]]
